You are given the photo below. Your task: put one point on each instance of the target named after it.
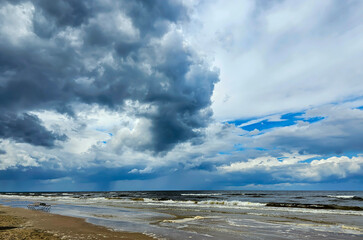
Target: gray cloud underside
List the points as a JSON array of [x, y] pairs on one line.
[[27, 128], [106, 53]]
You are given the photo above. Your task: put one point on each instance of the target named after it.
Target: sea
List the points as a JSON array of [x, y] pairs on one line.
[[211, 214]]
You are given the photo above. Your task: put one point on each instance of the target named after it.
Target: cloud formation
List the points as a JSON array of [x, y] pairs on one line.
[[294, 168], [280, 56], [104, 53], [27, 128]]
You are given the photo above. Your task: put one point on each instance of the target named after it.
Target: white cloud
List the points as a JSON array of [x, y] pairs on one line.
[[142, 171], [137, 137], [280, 56], [340, 167], [293, 168], [16, 22], [25, 155], [265, 163]]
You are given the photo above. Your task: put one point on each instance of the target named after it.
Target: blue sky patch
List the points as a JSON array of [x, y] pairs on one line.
[[287, 119], [225, 153]]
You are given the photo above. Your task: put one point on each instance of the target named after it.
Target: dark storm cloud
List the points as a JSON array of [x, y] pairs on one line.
[[27, 128], [141, 11], [65, 13], [30, 173], [50, 70]]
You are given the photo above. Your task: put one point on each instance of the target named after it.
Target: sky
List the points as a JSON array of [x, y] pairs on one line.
[[181, 95]]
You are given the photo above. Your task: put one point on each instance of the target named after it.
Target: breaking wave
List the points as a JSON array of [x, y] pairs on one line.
[[201, 194], [352, 197]]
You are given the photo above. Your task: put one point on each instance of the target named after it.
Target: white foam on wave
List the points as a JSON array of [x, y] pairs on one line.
[[201, 194], [67, 194], [53, 198], [341, 196], [233, 203], [203, 204], [29, 197], [183, 220], [142, 201]]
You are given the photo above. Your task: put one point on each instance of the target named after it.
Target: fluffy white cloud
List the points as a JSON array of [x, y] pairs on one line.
[[265, 163], [24, 155], [340, 167], [293, 167]]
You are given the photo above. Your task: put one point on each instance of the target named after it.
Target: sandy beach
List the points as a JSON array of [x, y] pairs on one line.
[[18, 223]]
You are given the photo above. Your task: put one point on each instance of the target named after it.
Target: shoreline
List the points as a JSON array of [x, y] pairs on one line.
[[20, 223]]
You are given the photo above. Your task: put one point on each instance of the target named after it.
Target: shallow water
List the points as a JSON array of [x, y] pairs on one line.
[[212, 214]]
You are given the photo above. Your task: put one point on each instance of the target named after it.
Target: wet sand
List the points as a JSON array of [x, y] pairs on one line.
[[18, 223]]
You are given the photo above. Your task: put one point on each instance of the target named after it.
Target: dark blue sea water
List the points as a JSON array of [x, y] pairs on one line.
[[212, 214]]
